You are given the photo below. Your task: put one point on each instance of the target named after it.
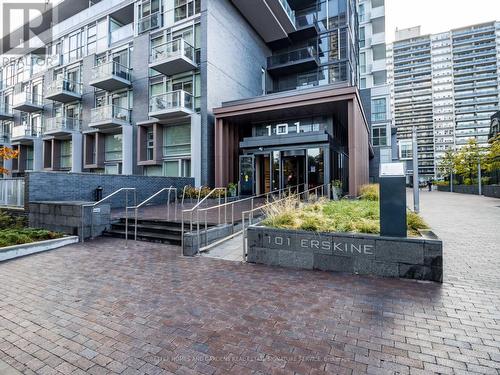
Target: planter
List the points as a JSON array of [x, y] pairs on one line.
[[491, 191], [16, 251], [365, 254]]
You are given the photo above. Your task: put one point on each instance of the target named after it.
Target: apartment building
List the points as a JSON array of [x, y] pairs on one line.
[[447, 86], [130, 87], [375, 90]]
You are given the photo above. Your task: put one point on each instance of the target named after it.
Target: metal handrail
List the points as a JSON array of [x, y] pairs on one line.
[[297, 195], [137, 206], [93, 205], [196, 207], [233, 203]]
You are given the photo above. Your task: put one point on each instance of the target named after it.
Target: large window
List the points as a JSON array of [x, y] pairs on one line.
[[361, 37], [177, 140], [315, 165], [379, 136], [29, 158], [186, 8], [113, 147], [405, 150], [379, 109], [65, 161], [379, 51], [150, 144]]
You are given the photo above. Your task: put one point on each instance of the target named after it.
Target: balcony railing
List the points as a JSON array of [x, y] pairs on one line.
[[25, 130], [29, 98], [150, 22], [5, 111], [122, 33], [172, 49], [110, 113], [288, 10], [171, 101], [291, 57], [108, 69], [64, 84], [62, 124]]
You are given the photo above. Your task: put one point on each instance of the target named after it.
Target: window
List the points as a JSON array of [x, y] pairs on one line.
[[405, 150], [29, 158], [149, 144], [65, 161], [362, 62], [380, 77], [186, 8], [177, 140], [377, 3], [379, 109], [378, 25], [379, 136], [281, 129], [379, 51], [171, 168], [362, 84], [113, 147], [361, 37]]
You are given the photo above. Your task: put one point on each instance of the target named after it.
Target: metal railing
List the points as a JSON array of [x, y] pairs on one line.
[[136, 208], [110, 68], [94, 205], [291, 57], [171, 100], [231, 206], [12, 192], [174, 48], [27, 97], [306, 194], [63, 84], [196, 207], [25, 130]]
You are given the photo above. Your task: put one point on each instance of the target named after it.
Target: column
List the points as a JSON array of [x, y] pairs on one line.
[[127, 150], [76, 152]]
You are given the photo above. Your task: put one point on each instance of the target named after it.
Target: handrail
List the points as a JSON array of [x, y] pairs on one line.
[[297, 195], [93, 205], [137, 206]]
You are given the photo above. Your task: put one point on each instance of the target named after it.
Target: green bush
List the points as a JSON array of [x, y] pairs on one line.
[[442, 183], [17, 236], [370, 192]]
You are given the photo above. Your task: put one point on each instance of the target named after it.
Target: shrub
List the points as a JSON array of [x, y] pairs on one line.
[[442, 183], [9, 237], [415, 222], [370, 192]]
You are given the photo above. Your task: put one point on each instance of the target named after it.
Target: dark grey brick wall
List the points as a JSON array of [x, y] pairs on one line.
[[61, 186], [412, 258]]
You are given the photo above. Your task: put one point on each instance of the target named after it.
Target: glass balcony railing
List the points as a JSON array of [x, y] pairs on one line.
[[304, 21], [172, 49], [5, 109], [109, 69], [288, 10], [63, 124], [64, 84], [28, 98], [171, 101], [122, 33], [24, 130], [291, 57], [110, 113], [148, 23]]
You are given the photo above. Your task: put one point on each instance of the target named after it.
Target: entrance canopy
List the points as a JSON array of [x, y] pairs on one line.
[[340, 105]]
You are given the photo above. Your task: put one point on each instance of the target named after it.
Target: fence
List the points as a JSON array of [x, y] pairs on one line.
[[12, 192]]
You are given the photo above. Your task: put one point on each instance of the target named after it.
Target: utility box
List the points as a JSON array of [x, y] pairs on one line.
[[392, 200]]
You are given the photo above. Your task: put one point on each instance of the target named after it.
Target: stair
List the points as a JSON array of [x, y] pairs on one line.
[[148, 230]]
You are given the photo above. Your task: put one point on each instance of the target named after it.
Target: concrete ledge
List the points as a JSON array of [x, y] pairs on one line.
[[17, 251], [413, 258]]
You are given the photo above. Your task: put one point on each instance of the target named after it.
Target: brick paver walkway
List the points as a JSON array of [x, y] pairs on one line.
[[101, 308]]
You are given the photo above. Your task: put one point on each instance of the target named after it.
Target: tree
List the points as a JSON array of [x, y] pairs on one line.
[[447, 163], [467, 160], [7, 153], [492, 158]]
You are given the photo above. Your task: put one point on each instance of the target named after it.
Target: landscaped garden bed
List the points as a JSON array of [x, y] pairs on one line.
[[343, 236]]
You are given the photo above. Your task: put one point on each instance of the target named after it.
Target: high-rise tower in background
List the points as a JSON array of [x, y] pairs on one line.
[[447, 86]]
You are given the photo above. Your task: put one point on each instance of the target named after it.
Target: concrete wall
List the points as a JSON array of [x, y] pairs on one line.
[[491, 191], [60, 186], [232, 59], [363, 254]]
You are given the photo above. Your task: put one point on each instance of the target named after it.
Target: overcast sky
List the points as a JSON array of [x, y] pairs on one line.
[[438, 15]]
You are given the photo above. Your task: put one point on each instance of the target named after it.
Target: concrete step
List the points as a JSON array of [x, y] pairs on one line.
[[146, 236]]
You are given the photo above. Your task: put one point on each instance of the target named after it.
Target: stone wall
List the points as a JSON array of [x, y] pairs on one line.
[[413, 258], [62, 186], [66, 217], [491, 191], [487, 190]]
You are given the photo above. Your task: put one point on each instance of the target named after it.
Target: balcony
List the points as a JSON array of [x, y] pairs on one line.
[[6, 112], [173, 57], [57, 126], [174, 104], [110, 76], [307, 25], [109, 117], [272, 19], [24, 132], [149, 23], [27, 102], [123, 33], [64, 91], [291, 62]]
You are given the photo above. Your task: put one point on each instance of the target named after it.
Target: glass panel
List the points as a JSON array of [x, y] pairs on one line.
[[171, 168], [315, 165], [177, 140], [113, 147], [65, 161]]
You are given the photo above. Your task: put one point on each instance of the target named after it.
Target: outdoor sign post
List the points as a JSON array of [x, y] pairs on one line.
[[392, 200]]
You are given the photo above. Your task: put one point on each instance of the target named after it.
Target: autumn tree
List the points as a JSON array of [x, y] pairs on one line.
[[467, 159], [446, 164], [492, 158], [7, 153]]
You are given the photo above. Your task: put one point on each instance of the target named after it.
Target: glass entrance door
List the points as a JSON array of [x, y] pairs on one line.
[[293, 171], [247, 175]]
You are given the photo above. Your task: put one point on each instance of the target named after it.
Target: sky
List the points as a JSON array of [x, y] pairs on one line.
[[438, 15]]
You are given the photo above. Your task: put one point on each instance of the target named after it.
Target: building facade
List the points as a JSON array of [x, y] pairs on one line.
[[130, 87], [446, 85]]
